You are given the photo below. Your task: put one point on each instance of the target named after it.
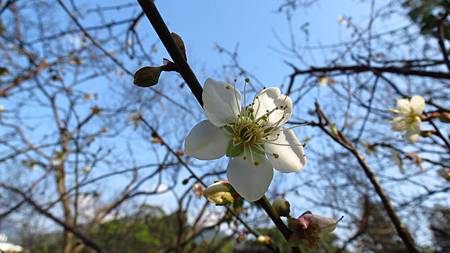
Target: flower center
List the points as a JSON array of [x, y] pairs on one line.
[[411, 118], [247, 133]]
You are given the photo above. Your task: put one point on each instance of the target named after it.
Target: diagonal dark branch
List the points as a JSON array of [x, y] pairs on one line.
[[402, 231], [163, 33], [189, 77]]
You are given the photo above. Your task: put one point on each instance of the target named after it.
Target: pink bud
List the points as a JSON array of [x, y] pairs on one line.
[[305, 220]]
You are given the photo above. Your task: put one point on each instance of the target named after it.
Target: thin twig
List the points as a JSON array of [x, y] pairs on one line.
[[164, 34], [402, 231]]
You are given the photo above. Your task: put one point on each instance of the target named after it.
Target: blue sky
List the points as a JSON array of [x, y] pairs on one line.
[[252, 24]]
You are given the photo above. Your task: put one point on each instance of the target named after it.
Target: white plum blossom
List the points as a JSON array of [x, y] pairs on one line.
[[252, 136], [409, 117]]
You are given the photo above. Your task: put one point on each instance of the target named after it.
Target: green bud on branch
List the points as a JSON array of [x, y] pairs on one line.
[[147, 76], [282, 207]]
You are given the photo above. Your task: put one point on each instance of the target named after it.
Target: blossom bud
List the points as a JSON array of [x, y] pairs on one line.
[[325, 80], [444, 117], [86, 169], [334, 131], [180, 44], [428, 133], [282, 207], [241, 236], [198, 189], [156, 139], [264, 239], [3, 71], [221, 193], [445, 173], [180, 153], [95, 110], [147, 76], [308, 228]]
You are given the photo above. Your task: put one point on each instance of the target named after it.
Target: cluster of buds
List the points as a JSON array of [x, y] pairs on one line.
[[308, 228]]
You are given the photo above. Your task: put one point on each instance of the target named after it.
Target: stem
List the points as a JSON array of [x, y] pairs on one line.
[[265, 204], [440, 134], [189, 77]]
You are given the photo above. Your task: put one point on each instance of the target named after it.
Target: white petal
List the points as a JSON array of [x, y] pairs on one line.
[[250, 181], [221, 102], [412, 135], [206, 141], [326, 225], [267, 100], [288, 150], [418, 104], [398, 124], [403, 105], [411, 138]]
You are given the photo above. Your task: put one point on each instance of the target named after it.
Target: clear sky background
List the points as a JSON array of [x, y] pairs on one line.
[[252, 24]]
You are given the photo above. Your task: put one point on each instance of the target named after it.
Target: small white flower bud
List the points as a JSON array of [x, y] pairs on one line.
[[220, 193], [264, 239]]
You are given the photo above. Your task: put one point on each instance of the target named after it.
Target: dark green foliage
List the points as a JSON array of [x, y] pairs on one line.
[[426, 14], [149, 230]]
